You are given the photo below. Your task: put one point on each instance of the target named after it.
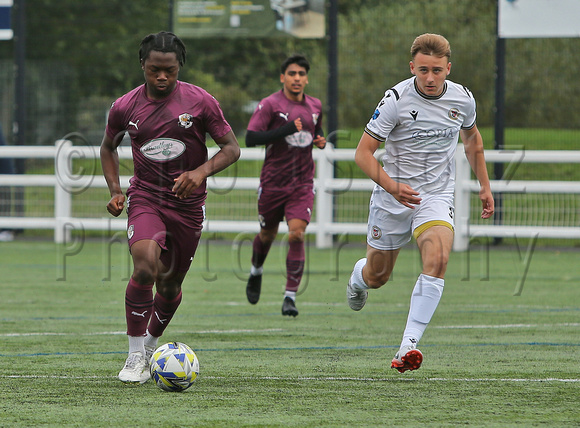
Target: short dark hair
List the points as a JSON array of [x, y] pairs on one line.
[[295, 59], [162, 42]]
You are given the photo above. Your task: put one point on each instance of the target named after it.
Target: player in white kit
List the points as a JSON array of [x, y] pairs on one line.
[[419, 120]]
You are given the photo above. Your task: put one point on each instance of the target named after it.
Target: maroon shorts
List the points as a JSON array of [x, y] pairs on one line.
[[177, 231], [275, 203]]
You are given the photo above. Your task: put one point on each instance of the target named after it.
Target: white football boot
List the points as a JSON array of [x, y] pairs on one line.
[[149, 353], [356, 298], [136, 369]]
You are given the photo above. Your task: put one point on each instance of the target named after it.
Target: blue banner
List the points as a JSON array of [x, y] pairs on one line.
[[5, 25]]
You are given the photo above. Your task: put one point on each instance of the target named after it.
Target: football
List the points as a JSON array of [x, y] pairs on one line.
[[174, 366]]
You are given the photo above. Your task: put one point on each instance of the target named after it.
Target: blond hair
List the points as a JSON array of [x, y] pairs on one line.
[[431, 44]]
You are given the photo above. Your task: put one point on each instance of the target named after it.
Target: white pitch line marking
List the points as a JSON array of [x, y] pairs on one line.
[[433, 379], [491, 327], [276, 330], [320, 379]]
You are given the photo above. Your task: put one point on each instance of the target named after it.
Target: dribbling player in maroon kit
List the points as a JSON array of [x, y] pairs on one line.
[[167, 121], [288, 123]]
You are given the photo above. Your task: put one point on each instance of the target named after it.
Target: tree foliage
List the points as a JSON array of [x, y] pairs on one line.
[[90, 48]]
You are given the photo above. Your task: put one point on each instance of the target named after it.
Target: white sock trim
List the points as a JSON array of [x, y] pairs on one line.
[[439, 282], [254, 271], [356, 279]]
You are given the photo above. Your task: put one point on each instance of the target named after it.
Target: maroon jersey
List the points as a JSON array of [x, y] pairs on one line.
[[167, 136], [288, 160]]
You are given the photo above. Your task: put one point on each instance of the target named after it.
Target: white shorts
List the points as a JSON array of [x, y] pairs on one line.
[[391, 224]]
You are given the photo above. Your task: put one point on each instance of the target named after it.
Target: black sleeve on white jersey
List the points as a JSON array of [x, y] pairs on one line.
[[472, 100], [375, 136], [468, 127], [467, 91]]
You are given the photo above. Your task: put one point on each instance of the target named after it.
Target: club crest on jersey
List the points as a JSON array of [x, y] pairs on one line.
[[454, 114], [185, 120], [376, 232]]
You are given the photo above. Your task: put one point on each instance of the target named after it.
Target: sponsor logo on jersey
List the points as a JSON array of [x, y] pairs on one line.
[[299, 139], [434, 136], [414, 114], [162, 149], [454, 114], [315, 118], [451, 212], [376, 232], [131, 123], [185, 120], [131, 231], [376, 114], [284, 116]]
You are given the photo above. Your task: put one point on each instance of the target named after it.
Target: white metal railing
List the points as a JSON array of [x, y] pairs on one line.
[[65, 183], [465, 186]]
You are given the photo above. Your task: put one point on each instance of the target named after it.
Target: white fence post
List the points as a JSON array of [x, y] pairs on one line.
[[324, 195], [62, 194], [462, 200]]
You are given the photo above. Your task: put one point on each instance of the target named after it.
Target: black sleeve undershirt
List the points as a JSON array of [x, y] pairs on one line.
[[260, 138]]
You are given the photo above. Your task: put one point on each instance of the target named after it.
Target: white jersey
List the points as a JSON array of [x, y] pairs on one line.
[[421, 134]]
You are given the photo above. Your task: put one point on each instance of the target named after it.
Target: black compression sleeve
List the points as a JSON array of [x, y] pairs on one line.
[[260, 138]]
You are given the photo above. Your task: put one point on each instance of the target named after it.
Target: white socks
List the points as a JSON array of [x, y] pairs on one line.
[[291, 294], [254, 271], [151, 341], [356, 279], [424, 301], [137, 344]]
